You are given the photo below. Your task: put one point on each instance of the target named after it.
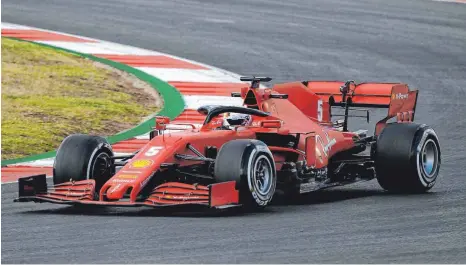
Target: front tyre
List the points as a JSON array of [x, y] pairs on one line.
[[82, 157], [407, 158], [250, 163]]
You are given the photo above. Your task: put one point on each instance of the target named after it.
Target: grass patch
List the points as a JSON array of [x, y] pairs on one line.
[[48, 94]]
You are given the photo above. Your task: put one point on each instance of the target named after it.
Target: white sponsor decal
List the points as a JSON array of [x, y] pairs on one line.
[[183, 197], [71, 193], [401, 96], [262, 148], [326, 147], [153, 150], [319, 110], [122, 180], [114, 188]]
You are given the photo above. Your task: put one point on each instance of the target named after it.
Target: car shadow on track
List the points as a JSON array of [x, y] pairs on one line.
[[317, 197], [329, 196], [141, 212]]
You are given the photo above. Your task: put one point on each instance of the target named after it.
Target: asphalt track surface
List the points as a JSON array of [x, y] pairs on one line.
[[419, 42]]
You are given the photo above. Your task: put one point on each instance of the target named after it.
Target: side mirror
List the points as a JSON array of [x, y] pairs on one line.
[[153, 134], [161, 122]]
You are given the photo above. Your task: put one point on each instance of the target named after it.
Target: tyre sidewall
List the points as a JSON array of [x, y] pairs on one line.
[[424, 134], [101, 149], [251, 155], [104, 149]]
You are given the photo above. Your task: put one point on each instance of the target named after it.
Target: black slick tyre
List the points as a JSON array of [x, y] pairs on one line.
[[250, 163], [407, 158], [82, 157]]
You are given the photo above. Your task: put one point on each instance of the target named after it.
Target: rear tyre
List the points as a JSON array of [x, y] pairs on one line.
[[407, 158], [250, 163], [82, 157]]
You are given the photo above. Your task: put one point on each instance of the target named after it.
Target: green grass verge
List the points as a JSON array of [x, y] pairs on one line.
[[38, 111]]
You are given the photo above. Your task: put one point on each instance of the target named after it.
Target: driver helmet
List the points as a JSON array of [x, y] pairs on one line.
[[237, 119]]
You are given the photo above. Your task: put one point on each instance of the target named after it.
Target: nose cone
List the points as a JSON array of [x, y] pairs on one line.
[[117, 191]]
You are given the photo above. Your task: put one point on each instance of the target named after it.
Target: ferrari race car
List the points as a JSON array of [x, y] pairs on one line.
[[290, 143]]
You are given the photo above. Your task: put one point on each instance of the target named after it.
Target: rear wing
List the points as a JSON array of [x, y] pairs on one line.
[[400, 101]]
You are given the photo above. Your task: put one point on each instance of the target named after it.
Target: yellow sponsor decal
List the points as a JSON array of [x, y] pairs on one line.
[[142, 163], [127, 177]]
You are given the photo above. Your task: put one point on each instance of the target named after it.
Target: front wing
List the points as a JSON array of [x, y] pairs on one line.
[[217, 195]]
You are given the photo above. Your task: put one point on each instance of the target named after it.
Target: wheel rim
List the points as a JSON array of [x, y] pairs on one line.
[[262, 176], [429, 159], [102, 166]]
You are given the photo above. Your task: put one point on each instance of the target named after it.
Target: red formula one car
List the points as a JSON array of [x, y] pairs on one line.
[[286, 140]]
